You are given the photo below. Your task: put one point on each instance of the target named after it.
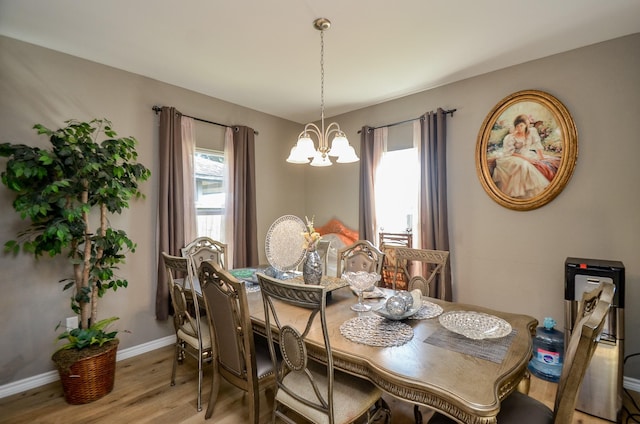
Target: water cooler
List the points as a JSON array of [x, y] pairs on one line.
[[601, 391]]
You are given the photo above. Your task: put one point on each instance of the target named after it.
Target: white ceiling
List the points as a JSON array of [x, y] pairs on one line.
[[265, 54]]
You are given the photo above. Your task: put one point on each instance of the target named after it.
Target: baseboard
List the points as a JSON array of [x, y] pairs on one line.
[[631, 384], [51, 376]]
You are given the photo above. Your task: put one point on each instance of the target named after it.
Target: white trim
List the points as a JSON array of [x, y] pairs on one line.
[[631, 384], [51, 376]]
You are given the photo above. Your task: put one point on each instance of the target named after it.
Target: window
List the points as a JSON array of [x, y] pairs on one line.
[[210, 193], [397, 191]]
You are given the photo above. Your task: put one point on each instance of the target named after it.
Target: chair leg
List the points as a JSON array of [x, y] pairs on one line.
[[175, 366], [215, 388], [417, 414], [200, 382]]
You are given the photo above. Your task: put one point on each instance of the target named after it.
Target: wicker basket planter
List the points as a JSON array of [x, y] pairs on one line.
[[87, 374]]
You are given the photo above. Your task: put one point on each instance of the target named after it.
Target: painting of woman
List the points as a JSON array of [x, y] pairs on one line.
[[521, 168], [526, 150]]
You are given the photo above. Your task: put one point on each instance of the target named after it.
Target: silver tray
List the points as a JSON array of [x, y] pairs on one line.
[[284, 243], [382, 311], [475, 325]]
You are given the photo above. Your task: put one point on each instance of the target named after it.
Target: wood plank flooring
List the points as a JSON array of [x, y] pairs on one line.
[[142, 394]]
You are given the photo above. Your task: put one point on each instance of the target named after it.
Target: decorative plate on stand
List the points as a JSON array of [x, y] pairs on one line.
[[284, 243]]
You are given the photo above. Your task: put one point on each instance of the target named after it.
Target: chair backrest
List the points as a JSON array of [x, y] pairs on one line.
[[323, 251], [205, 249], [435, 260], [593, 310], [292, 340], [359, 256], [182, 291], [230, 325]]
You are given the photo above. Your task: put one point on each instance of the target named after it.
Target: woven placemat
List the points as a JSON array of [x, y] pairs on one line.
[[493, 350], [428, 310], [376, 331]]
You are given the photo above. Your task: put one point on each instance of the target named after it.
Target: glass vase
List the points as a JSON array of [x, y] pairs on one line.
[[312, 268]]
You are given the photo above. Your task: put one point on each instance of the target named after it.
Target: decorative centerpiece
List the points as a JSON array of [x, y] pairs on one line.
[[359, 282], [312, 266]]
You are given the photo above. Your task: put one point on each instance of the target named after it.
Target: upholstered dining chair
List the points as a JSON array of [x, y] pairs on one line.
[[193, 337], [317, 392], [519, 408], [240, 358], [359, 256], [205, 249], [323, 251], [435, 261]]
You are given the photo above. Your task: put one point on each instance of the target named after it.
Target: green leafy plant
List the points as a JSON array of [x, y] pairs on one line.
[[96, 335], [59, 190]]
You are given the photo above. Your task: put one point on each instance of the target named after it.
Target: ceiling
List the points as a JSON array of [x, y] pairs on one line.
[[265, 55]]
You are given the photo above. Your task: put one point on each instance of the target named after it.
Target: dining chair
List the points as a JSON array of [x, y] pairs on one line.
[[435, 262], [520, 408], [205, 249], [318, 392], [193, 336], [323, 251], [359, 256], [387, 244], [240, 358]]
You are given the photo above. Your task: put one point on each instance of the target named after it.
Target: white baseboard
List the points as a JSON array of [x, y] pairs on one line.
[[51, 376]]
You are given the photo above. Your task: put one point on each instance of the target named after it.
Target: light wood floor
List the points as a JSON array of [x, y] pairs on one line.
[[142, 394]]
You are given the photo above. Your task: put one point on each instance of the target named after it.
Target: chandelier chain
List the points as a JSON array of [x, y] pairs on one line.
[[322, 77]]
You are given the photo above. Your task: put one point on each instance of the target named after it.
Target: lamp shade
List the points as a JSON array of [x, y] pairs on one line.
[[319, 160], [296, 157], [339, 145], [349, 156], [305, 146]]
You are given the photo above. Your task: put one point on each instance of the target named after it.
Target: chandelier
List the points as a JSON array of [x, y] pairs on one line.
[[304, 149]]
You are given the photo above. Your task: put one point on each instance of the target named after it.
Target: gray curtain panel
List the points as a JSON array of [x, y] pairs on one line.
[[170, 235], [245, 240], [366, 219], [434, 230]]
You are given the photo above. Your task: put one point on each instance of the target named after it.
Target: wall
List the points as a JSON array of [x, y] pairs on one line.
[[42, 86], [515, 260], [500, 258]]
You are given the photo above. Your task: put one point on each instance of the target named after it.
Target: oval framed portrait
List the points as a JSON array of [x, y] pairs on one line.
[[526, 150]]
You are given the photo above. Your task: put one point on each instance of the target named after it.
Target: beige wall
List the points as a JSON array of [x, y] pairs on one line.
[[42, 86], [515, 260], [500, 258]]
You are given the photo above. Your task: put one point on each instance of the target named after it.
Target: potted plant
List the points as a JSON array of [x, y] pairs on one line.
[[60, 190]]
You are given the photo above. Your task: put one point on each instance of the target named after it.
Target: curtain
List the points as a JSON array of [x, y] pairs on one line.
[[372, 145], [245, 237], [434, 228], [189, 182], [228, 228], [171, 200]]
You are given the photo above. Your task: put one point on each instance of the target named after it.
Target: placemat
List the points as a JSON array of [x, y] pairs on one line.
[[428, 310], [376, 331], [493, 350]]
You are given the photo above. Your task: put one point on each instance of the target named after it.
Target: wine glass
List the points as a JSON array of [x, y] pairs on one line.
[[359, 282]]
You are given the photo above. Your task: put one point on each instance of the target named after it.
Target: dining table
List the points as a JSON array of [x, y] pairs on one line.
[[417, 359]]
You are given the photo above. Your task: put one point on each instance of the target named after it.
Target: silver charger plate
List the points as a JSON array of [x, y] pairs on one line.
[[284, 243], [382, 311], [475, 325]]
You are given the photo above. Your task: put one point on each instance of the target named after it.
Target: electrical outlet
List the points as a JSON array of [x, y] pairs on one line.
[[72, 322]]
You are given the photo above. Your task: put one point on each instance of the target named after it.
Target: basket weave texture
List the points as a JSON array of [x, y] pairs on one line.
[[91, 377]]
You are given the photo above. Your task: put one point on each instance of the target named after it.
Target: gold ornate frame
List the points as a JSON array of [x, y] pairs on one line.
[[558, 135]]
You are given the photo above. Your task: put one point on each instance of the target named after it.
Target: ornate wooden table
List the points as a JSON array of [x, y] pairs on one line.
[[464, 386]]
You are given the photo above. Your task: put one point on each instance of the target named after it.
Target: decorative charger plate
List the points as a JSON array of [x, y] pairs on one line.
[[284, 243], [475, 325], [382, 311]]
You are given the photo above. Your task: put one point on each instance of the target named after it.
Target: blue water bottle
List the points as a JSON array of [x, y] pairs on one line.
[[548, 352]]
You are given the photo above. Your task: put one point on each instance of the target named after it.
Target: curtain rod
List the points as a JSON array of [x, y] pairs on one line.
[[446, 112], [157, 110]]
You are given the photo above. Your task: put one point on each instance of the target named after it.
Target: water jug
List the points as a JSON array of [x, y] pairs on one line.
[[548, 352]]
